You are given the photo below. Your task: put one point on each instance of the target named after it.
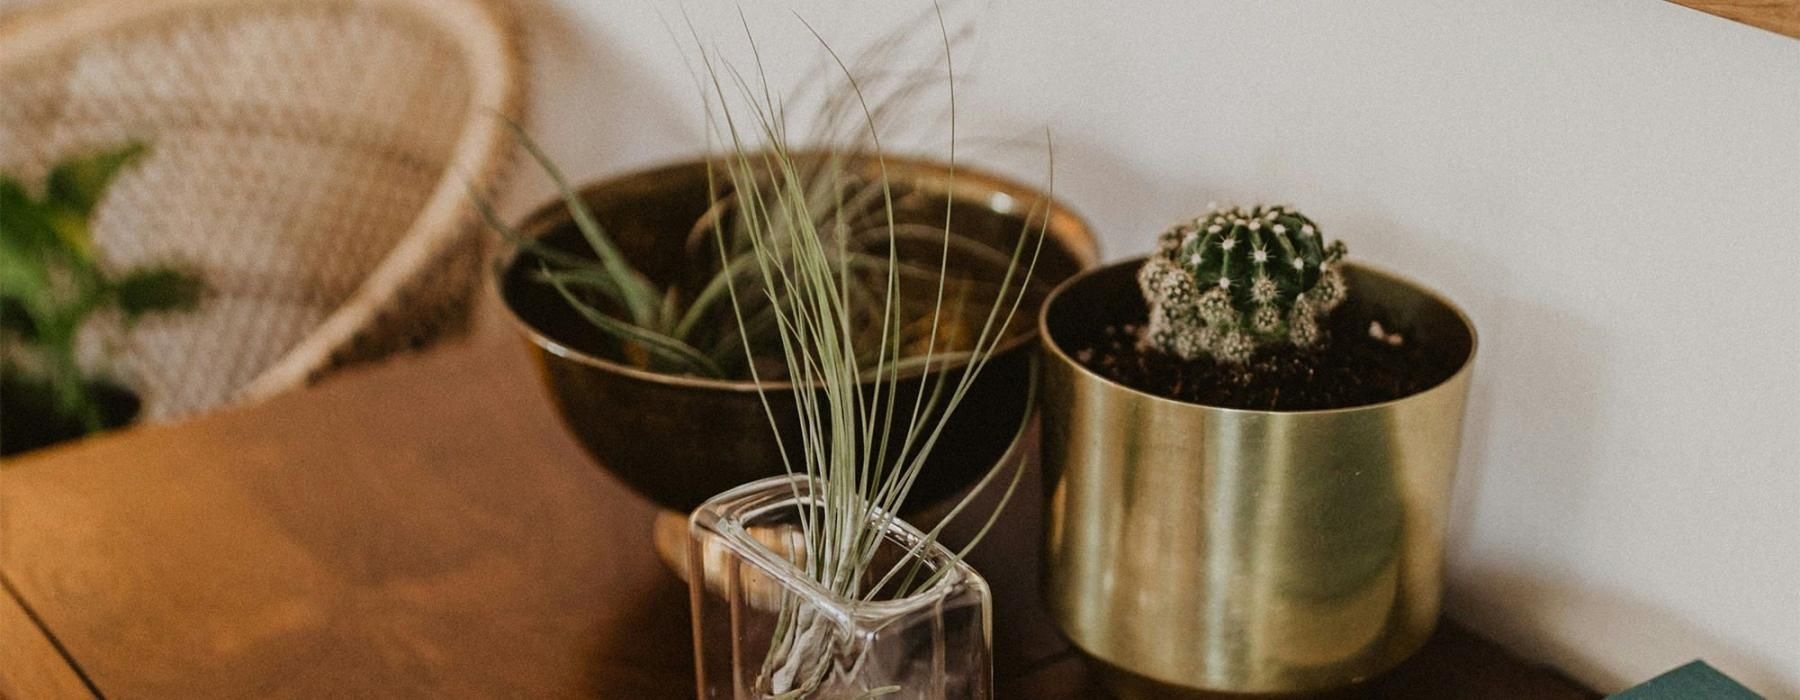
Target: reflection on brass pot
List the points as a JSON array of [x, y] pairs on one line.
[[1193, 549], [679, 440]]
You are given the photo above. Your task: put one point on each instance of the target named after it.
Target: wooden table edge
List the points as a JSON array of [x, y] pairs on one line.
[[34, 665]]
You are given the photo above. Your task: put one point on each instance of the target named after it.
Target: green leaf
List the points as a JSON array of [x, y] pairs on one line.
[[27, 243], [634, 290], [24, 226], [15, 318], [597, 280], [70, 229], [78, 183], [149, 290], [24, 280], [655, 343]]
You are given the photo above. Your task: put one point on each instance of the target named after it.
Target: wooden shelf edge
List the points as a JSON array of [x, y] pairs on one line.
[[1779, 16]]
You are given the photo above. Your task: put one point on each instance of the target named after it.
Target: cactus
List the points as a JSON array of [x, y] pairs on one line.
[[1233, 281]]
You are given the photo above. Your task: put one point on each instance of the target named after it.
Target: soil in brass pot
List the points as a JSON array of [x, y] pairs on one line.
[[1365, 359]]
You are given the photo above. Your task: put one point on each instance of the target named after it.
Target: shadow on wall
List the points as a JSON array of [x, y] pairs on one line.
[[1542, 393], [1536, 386], [1663, 640]]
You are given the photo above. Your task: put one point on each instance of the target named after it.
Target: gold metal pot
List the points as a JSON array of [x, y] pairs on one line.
[[1194, 550], [679, 440]]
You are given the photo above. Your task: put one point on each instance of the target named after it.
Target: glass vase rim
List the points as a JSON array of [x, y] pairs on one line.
[[730, 508]]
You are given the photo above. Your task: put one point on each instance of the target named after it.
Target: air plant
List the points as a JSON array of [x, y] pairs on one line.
[[53, 284], [685, 326], [1235, 280], [847, 408]]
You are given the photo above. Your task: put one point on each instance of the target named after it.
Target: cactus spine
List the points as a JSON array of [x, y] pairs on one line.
[[1232, 281]]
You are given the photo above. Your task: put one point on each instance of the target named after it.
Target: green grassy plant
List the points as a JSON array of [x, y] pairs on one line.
[[685, 325], [848, 408]]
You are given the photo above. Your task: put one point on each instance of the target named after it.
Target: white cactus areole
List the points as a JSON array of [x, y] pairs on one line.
[[1233, 281]]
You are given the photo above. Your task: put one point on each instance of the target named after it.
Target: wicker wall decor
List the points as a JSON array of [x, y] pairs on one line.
[[311, 158]]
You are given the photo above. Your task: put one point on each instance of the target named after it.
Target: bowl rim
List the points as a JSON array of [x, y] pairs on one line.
[[1050, 346], [1066, 227]]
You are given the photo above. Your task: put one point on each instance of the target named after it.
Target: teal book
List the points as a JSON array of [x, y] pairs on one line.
[[1694, 681]]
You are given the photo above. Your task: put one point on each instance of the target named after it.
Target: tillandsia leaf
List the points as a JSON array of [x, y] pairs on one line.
[[875, 425], [657, 344], [636, 293], [971, 251], [727, 352], [821, 181], [810, 293], [854, 506], [151, 290], [912, 562], [586, 278], [524, 242], [839, 123], [984, 347], [574, 270], [798, 218], [713, 293]]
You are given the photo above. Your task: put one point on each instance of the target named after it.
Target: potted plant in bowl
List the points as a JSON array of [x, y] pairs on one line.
[[1248, 448], [53, 286], [674, 345]]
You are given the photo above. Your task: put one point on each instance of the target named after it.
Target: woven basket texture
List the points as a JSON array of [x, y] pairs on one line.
[[295, 147]]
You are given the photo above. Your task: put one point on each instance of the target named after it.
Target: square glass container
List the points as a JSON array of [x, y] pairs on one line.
[[764, 629]]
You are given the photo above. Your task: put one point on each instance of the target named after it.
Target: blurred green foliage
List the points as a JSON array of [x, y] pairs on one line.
[[52, 284]]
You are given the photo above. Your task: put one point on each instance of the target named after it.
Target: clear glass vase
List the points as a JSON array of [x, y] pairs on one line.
[[764, 629]]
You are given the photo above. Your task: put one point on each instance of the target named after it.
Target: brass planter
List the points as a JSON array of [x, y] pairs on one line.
[[1194, 550], [679, 440]]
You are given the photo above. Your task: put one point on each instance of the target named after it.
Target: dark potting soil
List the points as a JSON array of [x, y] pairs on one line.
[[1350, 367]]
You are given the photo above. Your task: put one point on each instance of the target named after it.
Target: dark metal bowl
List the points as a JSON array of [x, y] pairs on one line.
[[679, 440]]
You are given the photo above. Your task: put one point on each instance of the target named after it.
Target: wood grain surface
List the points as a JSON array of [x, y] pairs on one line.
[[426, 529], [420, 529], [1779, 16]]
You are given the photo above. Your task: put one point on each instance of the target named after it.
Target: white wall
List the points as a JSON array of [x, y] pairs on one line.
[[1611, 188]]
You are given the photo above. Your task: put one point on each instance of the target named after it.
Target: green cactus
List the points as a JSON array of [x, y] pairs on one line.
[[1233, 281]]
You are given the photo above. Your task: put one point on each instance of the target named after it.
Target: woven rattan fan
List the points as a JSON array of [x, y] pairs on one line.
[[310, 157]]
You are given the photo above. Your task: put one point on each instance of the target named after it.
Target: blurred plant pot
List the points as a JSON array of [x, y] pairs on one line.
[[31, 419], [1194, 550], [679, 440]]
